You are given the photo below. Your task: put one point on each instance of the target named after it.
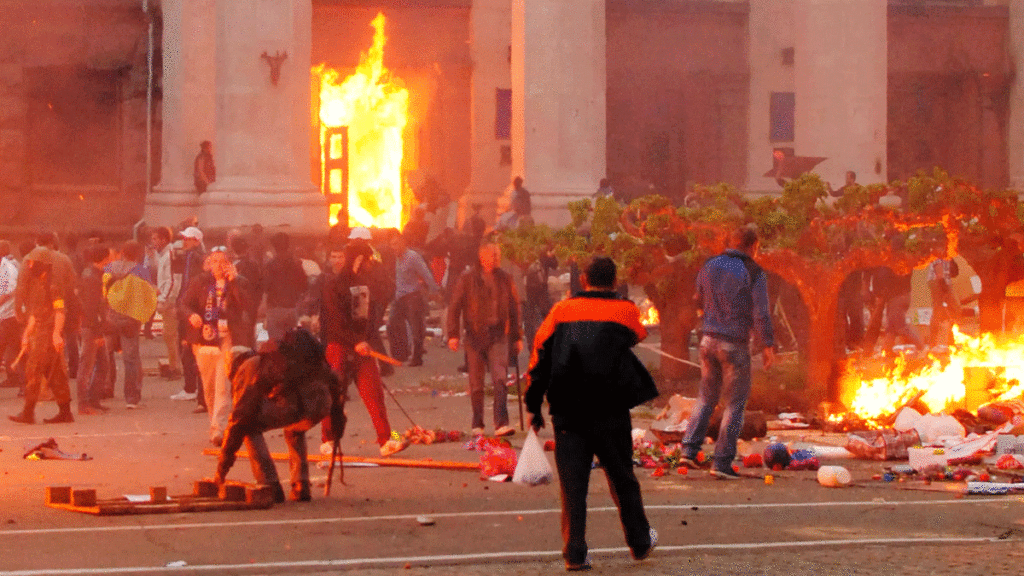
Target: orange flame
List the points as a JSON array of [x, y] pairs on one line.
[[944, 385], [649, 314], [374, 106]]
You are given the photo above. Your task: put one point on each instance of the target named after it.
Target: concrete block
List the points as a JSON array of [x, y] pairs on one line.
[[84, 497], [58, 494]]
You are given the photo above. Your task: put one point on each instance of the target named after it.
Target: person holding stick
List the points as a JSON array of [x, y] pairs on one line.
[[347, 312]]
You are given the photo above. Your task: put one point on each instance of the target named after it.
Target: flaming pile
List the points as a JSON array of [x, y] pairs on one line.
[[374, 106], [649, 314], [941, 383]]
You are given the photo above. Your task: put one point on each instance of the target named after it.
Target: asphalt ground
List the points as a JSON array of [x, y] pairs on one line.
[[370, 525]]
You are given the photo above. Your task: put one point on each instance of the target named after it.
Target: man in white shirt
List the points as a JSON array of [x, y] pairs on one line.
[[167, 297]]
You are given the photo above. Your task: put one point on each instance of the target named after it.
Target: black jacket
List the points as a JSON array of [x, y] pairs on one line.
[[583, 360]]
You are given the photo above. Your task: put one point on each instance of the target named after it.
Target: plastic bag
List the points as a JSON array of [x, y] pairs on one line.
[[533, 468]]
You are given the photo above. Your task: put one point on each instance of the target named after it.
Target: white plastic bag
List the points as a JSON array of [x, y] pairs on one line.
[[533, 468]]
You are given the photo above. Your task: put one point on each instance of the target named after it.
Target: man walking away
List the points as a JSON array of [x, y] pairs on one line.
[[582, 361], [132, 298], [733, 297], [93, 371], [286, 284]]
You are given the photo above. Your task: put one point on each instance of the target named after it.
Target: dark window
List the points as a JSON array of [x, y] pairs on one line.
[[781, 112], [503, 114], [74, 126]]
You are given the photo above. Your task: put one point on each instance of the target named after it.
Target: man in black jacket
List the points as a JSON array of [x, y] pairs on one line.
[[582, 361]]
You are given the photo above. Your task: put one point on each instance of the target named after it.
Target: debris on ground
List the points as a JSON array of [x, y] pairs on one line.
[[49, 450]]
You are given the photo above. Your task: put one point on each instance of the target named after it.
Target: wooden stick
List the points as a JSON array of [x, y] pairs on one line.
[[396, 462], [330, 469], [385, 358]]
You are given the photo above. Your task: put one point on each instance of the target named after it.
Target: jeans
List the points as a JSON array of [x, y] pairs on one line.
[[92, 371], [724, 368], [262, 463], [494, 359], [410, 310], [534, 312], [169, 316], [127, 329], [609, 439]]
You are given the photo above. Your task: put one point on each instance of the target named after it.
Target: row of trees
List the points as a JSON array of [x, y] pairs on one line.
[[811, 244]]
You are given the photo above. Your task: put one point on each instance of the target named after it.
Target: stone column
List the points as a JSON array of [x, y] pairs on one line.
[[490, 43], [1015, 127], [188, 105], [841, 74], [262, 148], [558, 101]]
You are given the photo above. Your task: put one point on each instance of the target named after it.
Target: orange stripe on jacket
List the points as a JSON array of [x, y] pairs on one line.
[[583, 309]]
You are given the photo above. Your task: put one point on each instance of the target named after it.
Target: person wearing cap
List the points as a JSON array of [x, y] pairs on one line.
[[190, 265], [350, 313]]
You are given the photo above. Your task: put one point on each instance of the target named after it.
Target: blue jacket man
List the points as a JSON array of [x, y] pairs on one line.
[[733, 297]]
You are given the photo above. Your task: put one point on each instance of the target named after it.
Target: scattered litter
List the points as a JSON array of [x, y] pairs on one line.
[[833, 476], [50, 451], [500, 478], [176, 564], [425, 520], [532, 468]]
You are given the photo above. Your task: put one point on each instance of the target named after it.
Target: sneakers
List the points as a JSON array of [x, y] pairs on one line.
[[729, 474], [183, 396], [690, 463], [199, 410], [132, 405], [587, 564], [23, 418], [327, 448], [87, 410], [217, 440], [62, 417], [391, 446], [646, 553], [505, 430], [476, 431]]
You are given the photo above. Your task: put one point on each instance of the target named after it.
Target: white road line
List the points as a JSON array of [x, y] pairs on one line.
[[435, 515], [77, 436], [448, 559]]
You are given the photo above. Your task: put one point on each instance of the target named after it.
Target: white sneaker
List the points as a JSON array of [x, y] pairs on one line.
[[183, 396], [478, 431], [505, 430], [391, 446], [327, 448]]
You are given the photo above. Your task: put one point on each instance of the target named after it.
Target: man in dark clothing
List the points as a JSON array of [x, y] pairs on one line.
[[251, 279], [285, 283], [732, 294], [487, 303], [536, 298], [189, 266], [287, 385], [45, 282], [582, 360], [92, 372], [203, 170], [350, 312]]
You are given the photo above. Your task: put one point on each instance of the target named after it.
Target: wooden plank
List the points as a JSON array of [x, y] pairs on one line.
[[399, 462], [242, 497]]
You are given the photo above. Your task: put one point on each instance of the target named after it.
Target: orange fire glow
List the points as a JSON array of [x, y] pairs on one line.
[[649, 314], [979, 370], [374, 106]]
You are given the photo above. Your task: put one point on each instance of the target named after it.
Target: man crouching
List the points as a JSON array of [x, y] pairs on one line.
[[288, 385]]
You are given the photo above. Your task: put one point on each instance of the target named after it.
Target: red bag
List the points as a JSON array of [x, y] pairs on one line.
[[497, 459]]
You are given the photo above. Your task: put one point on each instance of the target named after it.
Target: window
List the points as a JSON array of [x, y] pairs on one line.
[[503, 114], [781, 113]]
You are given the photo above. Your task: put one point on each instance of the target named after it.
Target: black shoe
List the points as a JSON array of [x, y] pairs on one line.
[[278, 493], [729, 474], [23, 418], [300, 492], [464, 369], [690, 463], [200, 410], [584, 566], [415, 362], [62, 417]]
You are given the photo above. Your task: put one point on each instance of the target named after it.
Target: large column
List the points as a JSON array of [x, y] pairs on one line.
[[490, 40], [262, 148], [188, 104], [841, 73], [558, 101], [1015, 127]]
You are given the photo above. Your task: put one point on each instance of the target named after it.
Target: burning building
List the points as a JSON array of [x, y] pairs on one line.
[[563, 93]]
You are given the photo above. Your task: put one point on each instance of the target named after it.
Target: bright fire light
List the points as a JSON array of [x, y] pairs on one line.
[[649, 314], [942, 385], [374, 106]]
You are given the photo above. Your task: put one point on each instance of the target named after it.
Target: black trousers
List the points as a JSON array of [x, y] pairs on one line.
[[610, 440]]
